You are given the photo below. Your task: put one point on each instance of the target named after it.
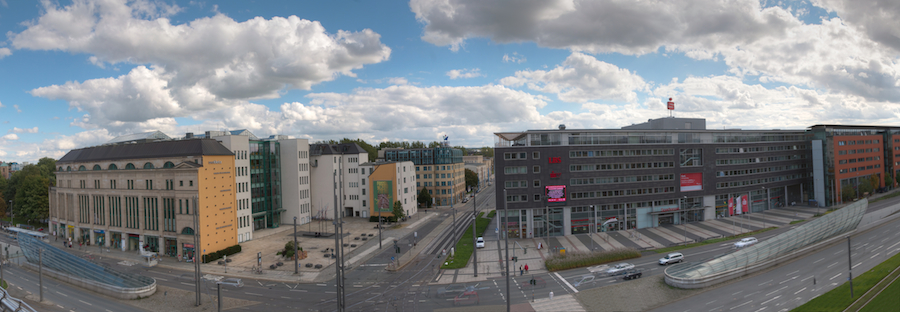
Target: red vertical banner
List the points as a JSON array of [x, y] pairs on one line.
[[744, 204], [730, 206], [670, 105]]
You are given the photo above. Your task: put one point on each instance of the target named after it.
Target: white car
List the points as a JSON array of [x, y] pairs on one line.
[[479, 243], [674, 257], [619, 268], [744, 242], [585, 279]]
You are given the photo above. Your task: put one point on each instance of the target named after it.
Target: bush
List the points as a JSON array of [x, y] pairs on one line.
[[213, 256], [384, 219], [584, 259]]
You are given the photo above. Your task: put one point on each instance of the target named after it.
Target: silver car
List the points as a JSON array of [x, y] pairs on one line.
[[619, 268]]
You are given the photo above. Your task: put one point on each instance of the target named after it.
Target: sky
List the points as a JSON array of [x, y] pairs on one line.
[[79, 73]]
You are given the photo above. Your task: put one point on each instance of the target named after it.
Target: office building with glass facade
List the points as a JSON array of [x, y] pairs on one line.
[[440, 169], [665, 171]]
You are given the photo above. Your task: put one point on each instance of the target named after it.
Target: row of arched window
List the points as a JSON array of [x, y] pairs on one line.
[[129, 166]]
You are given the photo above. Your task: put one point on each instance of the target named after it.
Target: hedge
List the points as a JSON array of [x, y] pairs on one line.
[[384, 219], [573, 260], [213, 256]]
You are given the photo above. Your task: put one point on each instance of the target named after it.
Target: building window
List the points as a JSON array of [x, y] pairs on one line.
[[537, 183], [536, 155], [515, 170], [536, 169], [691, 157], [537, 197]]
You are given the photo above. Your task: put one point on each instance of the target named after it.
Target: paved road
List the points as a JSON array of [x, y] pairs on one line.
[[64, 296]]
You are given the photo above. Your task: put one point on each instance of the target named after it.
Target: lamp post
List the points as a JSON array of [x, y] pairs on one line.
[[475, 235], [296, 256], [684, 219], [850, 265], [767, 204], [594, 226]]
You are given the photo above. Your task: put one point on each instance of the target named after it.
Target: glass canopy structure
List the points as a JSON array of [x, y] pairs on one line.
[[60, 261], [830, 225]]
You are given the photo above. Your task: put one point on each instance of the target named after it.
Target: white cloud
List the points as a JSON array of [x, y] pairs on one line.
[[581, 78], [628, 27], [515, 58], [4, 52], [16, 106], [26, 130], [398, 81], [464, 73], [205, 64], [875, 18], [10, 137]]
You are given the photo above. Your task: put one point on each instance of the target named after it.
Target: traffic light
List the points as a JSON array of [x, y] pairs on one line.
[[515, 259], [532, 282]]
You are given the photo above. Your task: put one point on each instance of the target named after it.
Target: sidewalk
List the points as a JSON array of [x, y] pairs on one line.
[[360, 238]]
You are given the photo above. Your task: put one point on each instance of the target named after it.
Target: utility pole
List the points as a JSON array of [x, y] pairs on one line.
[[196, 249], [684, 219], [41, 272], [296, 256], [850, 265], [593, 226], [474, 234], [505, 223], [337, 244]]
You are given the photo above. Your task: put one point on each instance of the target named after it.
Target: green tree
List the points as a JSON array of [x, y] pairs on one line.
[[417, 144], [865, 186], [848, 193], [471, 178], [434, 144], [875, 179], [398, 210], [897, 178], [487, 151], [424, 198], [288, 250], [29, 189]]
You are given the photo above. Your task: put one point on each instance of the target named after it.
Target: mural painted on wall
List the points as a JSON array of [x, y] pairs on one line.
[[384, 196]]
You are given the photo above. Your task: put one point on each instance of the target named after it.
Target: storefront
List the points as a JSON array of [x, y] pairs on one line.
[[171, 246], [115, 239], [99, 237], [134, 242], [151, 243], [187, 251]]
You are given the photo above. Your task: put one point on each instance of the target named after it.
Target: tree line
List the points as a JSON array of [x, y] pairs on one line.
[[29, 190], [372, 150]]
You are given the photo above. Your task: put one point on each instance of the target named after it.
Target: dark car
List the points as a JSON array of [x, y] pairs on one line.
[[451, 290], [468, 297], [538, 283], [632, 274]]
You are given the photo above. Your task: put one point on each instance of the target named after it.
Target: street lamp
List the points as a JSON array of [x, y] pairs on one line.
[[594, 227], [767, 205], [296, 257], [684, 219], [474, 234]]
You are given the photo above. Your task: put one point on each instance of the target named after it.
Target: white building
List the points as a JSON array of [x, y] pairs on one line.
[[335, 168]]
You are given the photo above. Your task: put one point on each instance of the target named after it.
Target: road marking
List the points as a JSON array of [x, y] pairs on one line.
[[776, 291], [252, 294], [717, 308], [801, 289], [61, 307], [818, 260], [187, 284], [831, 265], [839, 252], [770, 300], [792, 273], [299, 290], [833, 277], [321, 284], [875, 255], [565, 282], [711, 302], [161, 279], [751, 294], [853, 267], [85, 302], [809, 277], [284, 297], [766, 282], [740, 305], [64, 295], [734, 294], [788, 280], [763, 308]]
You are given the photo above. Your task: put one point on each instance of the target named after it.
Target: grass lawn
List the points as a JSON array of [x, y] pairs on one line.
[[886, 301], [465, 245], [839, 299], [797, 221], [711, 241]]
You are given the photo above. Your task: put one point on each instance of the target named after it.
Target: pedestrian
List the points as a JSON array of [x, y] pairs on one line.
[[521, 271], [526, 268], [551, 295]]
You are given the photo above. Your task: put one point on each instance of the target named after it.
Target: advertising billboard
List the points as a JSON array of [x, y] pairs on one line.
[[384, 196], [691, 182], [555, 193]]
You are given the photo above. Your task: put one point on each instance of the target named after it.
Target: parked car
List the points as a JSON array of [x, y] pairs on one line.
[[619, 268], [584, 279], [538, 283], [632, 274], [479, 243], [468, 297], [451, 290], [674, 257], [465, 200], [746, 241]]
